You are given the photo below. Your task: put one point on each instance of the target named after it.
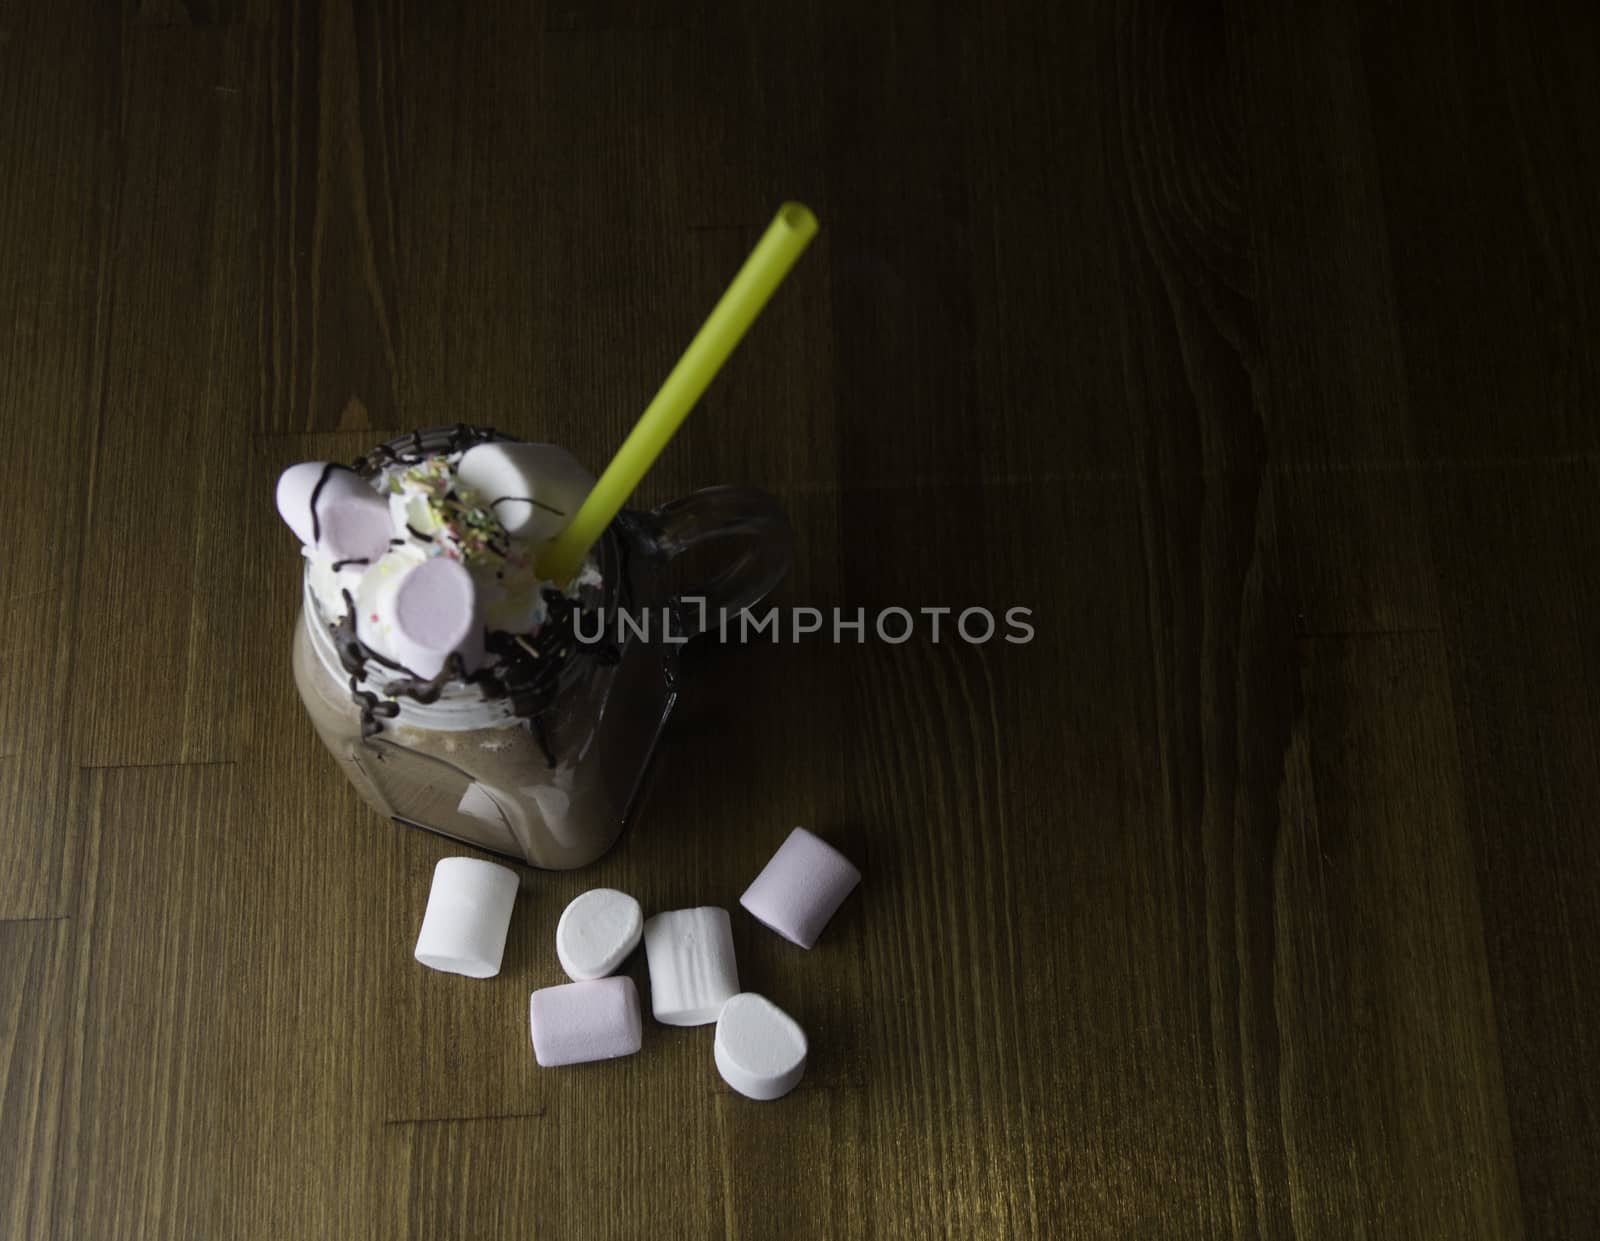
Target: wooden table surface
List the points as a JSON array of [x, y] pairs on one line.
[[1252, 346]]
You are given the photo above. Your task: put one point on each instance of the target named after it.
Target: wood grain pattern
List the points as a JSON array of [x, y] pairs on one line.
[[35, 1015], [55, 166], [1251, 346]]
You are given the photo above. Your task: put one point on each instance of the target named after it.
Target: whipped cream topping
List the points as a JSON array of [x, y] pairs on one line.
[[433, 514], [421, 584]]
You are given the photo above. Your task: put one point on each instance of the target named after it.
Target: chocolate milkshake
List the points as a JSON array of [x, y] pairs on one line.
[[446, 679]]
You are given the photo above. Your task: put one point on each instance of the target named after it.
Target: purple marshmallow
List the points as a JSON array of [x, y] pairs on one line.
[[801, 888], [583, 1021]]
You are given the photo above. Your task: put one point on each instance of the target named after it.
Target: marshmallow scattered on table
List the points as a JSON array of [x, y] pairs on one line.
[[801, 888], [348, 521], [469, 910], [692, 968], [534, 489], [582, 1021], [760, 1049], [596, 932]]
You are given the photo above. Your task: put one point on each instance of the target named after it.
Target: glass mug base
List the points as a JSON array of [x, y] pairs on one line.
[[492, 787], [467, 768]]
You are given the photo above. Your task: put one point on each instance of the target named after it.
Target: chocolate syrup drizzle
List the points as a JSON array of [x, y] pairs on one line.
[[316, 494], [527, 670], [461, 438]]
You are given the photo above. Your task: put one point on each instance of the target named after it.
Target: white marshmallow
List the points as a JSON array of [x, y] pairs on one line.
[[351, 520], [469, 910], [583, 1021], [692, 968], [760, 1049], [801, 887], [596, 933], [534, 489]]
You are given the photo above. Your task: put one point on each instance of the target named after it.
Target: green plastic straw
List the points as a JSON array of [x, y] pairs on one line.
[[776, 252]]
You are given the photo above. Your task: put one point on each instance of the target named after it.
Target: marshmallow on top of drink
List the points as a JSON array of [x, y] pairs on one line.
[[435, 550]]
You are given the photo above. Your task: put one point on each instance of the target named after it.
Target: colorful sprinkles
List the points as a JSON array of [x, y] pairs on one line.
[[462, 526]]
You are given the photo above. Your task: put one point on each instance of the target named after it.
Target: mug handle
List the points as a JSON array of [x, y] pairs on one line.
[[750, 519]]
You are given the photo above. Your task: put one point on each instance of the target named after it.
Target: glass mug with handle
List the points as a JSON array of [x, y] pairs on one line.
[[555, 791]]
